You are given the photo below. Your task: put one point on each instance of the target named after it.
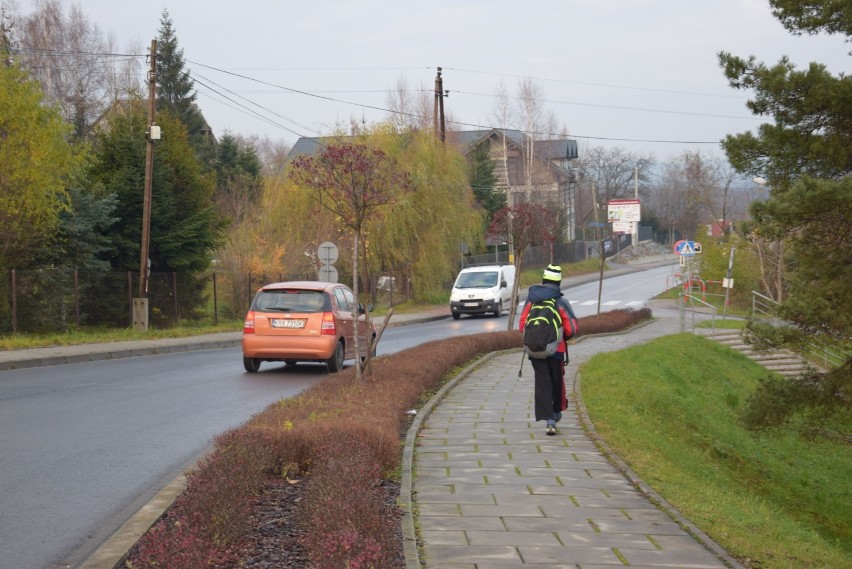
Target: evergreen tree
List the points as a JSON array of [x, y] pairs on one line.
[[806, 156], [482, 179], [238, 177], [175, 88], [185, 229]]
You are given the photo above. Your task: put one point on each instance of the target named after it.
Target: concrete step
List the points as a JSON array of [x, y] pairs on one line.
[[783, 362]]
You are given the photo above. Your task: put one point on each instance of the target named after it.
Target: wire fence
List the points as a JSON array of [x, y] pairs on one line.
[[59, 300], [541, 256]]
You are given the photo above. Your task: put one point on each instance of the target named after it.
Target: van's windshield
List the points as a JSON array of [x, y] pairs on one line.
[[485, 279]]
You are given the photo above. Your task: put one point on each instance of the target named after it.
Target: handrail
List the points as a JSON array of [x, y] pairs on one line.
[[698, 300], [765, 310]]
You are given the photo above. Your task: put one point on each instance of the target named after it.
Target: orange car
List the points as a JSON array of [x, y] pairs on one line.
[[305, 321]]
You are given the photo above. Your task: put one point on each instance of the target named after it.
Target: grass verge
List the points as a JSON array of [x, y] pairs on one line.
[[99, 335], [771, 500]]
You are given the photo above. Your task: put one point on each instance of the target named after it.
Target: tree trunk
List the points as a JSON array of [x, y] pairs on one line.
[[513, 309], [356, 309]]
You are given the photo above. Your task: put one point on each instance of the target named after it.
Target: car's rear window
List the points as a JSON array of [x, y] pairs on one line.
[[290, 300]]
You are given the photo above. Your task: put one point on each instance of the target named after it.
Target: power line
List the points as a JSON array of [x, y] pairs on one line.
[[317, 95], [480, 127], [253, 113], [607, 85], [621, 108]]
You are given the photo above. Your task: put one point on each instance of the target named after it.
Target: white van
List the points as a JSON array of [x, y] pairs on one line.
[[479, 290]]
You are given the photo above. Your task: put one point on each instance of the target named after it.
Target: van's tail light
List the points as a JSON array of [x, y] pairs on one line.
[[328, 328], [248, 326]]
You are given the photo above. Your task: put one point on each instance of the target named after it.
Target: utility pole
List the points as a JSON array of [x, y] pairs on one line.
[[140, 304], [636, 196], [438, 113]]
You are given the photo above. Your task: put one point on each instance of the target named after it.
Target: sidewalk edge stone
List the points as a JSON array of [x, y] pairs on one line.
[[406, 492], [642, 487]]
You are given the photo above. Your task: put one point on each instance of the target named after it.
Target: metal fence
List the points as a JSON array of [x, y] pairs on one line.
[[541, 256], [58, 300]]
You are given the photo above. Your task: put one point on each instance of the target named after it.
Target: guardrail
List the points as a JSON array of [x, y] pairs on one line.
[[765, 310]]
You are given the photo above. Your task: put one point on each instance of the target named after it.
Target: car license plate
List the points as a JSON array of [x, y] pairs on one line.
[[471, 304], [287, 323]]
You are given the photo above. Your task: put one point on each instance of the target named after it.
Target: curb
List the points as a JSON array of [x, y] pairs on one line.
[[649, 493], [406, 491], [118, 353], [113, 552]]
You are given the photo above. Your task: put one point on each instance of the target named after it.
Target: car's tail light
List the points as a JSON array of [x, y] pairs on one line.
[[328, 328], [248, 327]]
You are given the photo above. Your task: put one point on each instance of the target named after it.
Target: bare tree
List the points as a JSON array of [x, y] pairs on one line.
[[612, 172], [410, 108], [686, 183], [526, 224], [68, 55], [668, 200]]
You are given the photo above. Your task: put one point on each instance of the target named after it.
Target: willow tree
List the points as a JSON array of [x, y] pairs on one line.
[[352, 181], [425, 228]]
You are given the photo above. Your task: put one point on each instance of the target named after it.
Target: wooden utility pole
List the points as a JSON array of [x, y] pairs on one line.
[[140, 305], [438, 113]]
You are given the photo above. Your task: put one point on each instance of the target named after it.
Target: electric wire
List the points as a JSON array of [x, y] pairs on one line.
[[478, 126], [208, 80], [317, 95]]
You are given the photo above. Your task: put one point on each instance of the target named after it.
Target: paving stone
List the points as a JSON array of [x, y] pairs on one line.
[[495, 492], [515, 538], [458, 523]]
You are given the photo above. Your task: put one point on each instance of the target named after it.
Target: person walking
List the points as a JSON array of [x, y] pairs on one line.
[[550, 396]]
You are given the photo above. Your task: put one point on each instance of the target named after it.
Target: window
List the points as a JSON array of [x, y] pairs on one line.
[[342, 301]]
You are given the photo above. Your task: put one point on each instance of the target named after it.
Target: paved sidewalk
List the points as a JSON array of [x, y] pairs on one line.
[[494, 492]]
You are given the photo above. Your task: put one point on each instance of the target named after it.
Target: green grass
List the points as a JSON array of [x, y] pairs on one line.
[[723, 323], [96, 335], [716, 297], [670, 409]]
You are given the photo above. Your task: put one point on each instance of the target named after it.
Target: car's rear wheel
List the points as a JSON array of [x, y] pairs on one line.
[[252, 365], [335, 362]]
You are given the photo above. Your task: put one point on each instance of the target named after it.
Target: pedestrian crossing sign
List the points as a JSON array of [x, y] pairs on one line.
[[686, 248]]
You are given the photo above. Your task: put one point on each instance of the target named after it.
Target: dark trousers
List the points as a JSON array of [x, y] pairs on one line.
[[549, 387]]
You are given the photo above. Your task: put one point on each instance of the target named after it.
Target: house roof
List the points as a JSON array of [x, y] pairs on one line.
[[560, 149], [308, 146]]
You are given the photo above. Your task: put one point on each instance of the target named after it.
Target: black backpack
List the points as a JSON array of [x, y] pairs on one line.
[[542, 329]]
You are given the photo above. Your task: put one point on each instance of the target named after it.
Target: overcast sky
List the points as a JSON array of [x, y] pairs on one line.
[[614, 72]]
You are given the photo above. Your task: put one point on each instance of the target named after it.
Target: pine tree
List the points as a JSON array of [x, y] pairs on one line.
[[175, 87], [482, 180]]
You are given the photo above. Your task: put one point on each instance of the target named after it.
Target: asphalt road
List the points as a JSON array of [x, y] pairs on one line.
[[83, 446]]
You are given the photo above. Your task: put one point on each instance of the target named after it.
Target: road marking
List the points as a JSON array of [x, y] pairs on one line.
[[609, 302]]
